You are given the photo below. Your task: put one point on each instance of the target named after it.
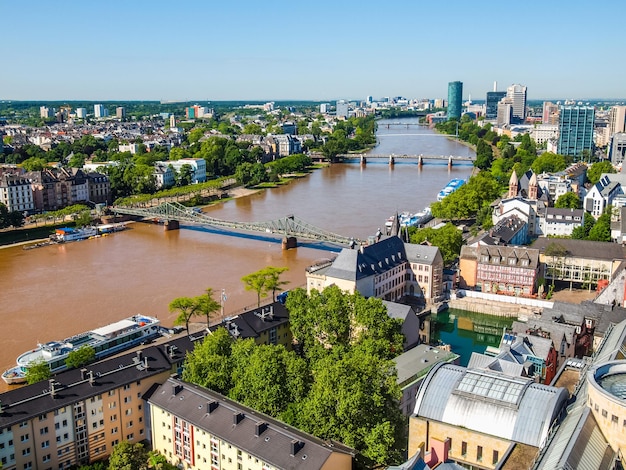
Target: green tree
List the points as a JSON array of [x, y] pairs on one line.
[[185, 175], [84, 219], [568, 200], [187, 308], [484, 155], [596, 170], [209, 364], [34, 164], [128, 456], [10, 219], [448, 239], [273, 281], [549, 163], [582, 232], [158, 461], [80, 357], [601, 231], [207, 305], [37, 371], [256, 282]]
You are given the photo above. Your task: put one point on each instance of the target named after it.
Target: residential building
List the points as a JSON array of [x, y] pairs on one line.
[[528, 210], [99, 111], [129, 147], [412, 367], [491, 107], [455, 99], [324, 108], [164, 176], [413, 326], [511, 230], [341, 108], [16, 193], [480, 418], [287, 144], [45, 112], [601, 195], [617, 148], [289, 127], [388, 269], [576, 124], [617, 120], [81, 414], [505, 270], [556, 185], [267, 324], [197, 428], [81, 113], [542, 133], [120, 112], [517, 95], [556, 222], [99, 188]]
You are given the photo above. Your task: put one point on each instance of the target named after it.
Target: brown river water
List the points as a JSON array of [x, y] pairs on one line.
[[57, 291]]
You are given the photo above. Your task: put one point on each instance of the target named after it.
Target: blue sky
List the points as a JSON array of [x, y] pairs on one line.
[[310, 50]]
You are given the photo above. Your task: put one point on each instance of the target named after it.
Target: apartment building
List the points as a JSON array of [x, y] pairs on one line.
[[196, 428], [15, 193], [80, 415]]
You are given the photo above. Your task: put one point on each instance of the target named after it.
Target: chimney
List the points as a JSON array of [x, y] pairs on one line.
[[91, 378], [83, 374], [237, 417], [296, 445], [145, 362], [211, 406], [53, 392], [139, 356], [260, 428]]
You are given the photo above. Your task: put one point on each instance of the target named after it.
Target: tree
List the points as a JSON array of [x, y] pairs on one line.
[[549, 163], [257, 282], [84, 219], [80, 357], [208, 364], [272, 279], [37, 371], [582, 232], [187, 307], [448, 239], [159, 461], [601, 231], [568, 200], [185, 175], [596, 170], [10, 219], [207, 305], [127, 456]]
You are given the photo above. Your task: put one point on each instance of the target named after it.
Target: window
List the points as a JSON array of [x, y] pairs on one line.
[[463, 448], [42, 417], [614, 419], [24, 437], [26, 451], [45, 444], [479, 453], [604, 413], [496, 457]]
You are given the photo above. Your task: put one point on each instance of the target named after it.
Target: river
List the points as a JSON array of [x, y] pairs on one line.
[[56, 291]]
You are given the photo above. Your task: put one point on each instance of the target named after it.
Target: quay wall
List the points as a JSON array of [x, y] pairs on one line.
[[497, 305]]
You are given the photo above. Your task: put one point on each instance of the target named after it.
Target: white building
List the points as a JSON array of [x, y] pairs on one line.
[[81, 113], [324, 108], [342, 108], [93, 166], [505, 112], [617, 150], [544, 132], [99, 111], [601, 195], [617, 119], [45, 112], [198, 166], [132, 148], [560, 222], [16, 193], [517, 94], [164, 176]]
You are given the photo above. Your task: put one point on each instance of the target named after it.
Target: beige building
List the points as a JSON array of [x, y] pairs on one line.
[[196, 428], [80, 415], [389, 269]]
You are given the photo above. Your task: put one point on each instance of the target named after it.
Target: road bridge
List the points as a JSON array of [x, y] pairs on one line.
[[291, 227], [420, 159]]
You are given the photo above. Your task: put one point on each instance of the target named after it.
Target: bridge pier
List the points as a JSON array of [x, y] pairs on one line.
[[171, 225], [290, 242], [420, 161], [363, 160], [392, 160], [450, 161]]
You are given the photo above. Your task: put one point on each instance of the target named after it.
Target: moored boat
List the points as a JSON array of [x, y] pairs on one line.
[[453, 185], [105, 341], [408, 219]]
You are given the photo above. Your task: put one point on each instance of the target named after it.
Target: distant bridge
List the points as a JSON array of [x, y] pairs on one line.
[[290, 227], [420, 158]]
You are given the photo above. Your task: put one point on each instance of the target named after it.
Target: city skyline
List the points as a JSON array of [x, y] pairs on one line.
[[289, 51]]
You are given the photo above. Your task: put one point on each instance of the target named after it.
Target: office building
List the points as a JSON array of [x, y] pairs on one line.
[[493, 98], [617, 120], [46, 112], [576, 130], [517, 93], [120, 112], [617, 149], [81, 113], [455, 98], [342, 109], [550, 113], [504, 116]]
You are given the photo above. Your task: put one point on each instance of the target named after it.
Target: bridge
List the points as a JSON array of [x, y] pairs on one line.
[[290, 226], [450, 159]]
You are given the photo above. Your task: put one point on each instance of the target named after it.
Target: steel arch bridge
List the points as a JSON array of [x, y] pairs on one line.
[[289, 226]]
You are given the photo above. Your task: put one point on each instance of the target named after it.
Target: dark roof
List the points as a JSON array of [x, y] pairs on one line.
[[552, 215], [506, 254], [506, 229], [575, 314], [71, 386], [251, 324], [245, 428], [584, 248]]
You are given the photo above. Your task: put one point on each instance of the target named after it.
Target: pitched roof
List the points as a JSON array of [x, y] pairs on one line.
[[584, 248]]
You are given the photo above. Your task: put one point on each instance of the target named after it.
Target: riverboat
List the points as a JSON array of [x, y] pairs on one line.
[[453, 185], [105, 341], [409, 219], [68, 234]]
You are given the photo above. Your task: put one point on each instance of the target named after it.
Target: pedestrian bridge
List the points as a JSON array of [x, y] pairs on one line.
[[450, 159], [290, 226]]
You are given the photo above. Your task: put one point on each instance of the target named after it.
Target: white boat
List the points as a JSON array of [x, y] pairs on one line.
[[408, 219], [453, 185], [68, 234], [106, 340]]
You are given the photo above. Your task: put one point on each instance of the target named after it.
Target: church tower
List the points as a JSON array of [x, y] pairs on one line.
[[513, 185], [532, 187]]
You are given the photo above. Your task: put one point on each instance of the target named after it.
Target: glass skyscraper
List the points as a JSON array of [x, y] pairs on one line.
[[493, 98], [576, 130], [455, 97]]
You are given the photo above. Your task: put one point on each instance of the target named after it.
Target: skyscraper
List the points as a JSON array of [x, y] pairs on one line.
[[617, 119], [99, 111], [518, 94], [342, 108], [493, 98], [576, 130], [455, 98]]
